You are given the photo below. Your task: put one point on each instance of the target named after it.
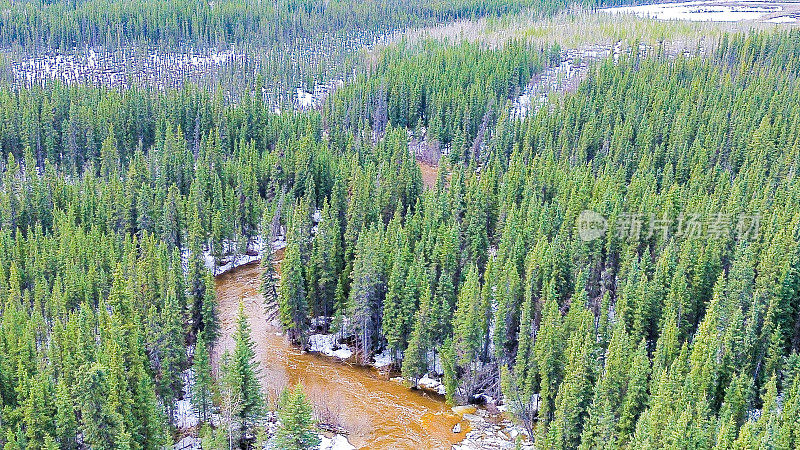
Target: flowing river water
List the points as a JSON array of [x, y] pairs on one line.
[[378, 413]]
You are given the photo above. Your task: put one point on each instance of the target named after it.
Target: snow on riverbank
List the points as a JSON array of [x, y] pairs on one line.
[[338, 442], [431, 384], [383, 359], [489, 431], [327, 345], [233, 259]]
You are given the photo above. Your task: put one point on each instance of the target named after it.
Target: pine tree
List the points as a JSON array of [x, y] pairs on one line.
[[231, 398], [508, 294], [172, 352], [245, 370], [325, 263], [415, 358], [203, 381], [367, 290], [101, 425], [209, 309], [40, 410], [292, 300], [574, 393], [296, 429], [609, 394], [66, 422], [636, 393], [463, 368], [519, 385], [549, 350], [269, 276], [394, 320]]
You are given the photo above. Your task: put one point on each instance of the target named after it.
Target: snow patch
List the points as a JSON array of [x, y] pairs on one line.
[[326, 344], [699, 11], [435, 363], [383, 359], [234, 259], [338, 442], [782, 19], [429, 383], [188, 443], [305, 99], [184, 415]]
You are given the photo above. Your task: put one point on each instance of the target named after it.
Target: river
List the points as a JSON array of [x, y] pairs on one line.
[[378, 413]]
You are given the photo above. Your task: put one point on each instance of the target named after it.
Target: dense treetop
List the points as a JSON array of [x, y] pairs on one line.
[[686, 336]]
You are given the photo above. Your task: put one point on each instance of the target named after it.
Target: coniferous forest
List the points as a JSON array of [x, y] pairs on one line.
[[616, 265]]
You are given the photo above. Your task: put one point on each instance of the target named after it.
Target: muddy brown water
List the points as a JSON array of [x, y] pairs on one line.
[[378, 413]]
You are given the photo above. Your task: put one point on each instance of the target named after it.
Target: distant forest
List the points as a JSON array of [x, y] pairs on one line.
[[678, 338], [65, 24]]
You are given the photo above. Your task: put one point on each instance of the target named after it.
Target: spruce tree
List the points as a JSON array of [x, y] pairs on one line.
[[415, 358], [296, 426], [549, 353], [292, 300], [209, 309], [203, 381], [575, 392], [245, 369], [269, 276], [464, 374]]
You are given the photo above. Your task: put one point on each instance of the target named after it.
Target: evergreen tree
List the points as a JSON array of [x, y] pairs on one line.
[[415, 358], [575, 392], [245, 370], [269, 276], [296, 427], [368, 290], [325, 263], [208, 311], [464, 372], [203, 382], [292, 300], [231, 400], [101, 425], [548, 351]]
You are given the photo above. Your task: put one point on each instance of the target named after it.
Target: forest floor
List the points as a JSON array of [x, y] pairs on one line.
[[429, 174]]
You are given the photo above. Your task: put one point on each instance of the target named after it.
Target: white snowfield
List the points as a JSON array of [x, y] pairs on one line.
[[782, 19], [702, 11]]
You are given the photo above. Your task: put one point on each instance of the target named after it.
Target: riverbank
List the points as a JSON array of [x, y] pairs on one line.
[[375, 412]]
